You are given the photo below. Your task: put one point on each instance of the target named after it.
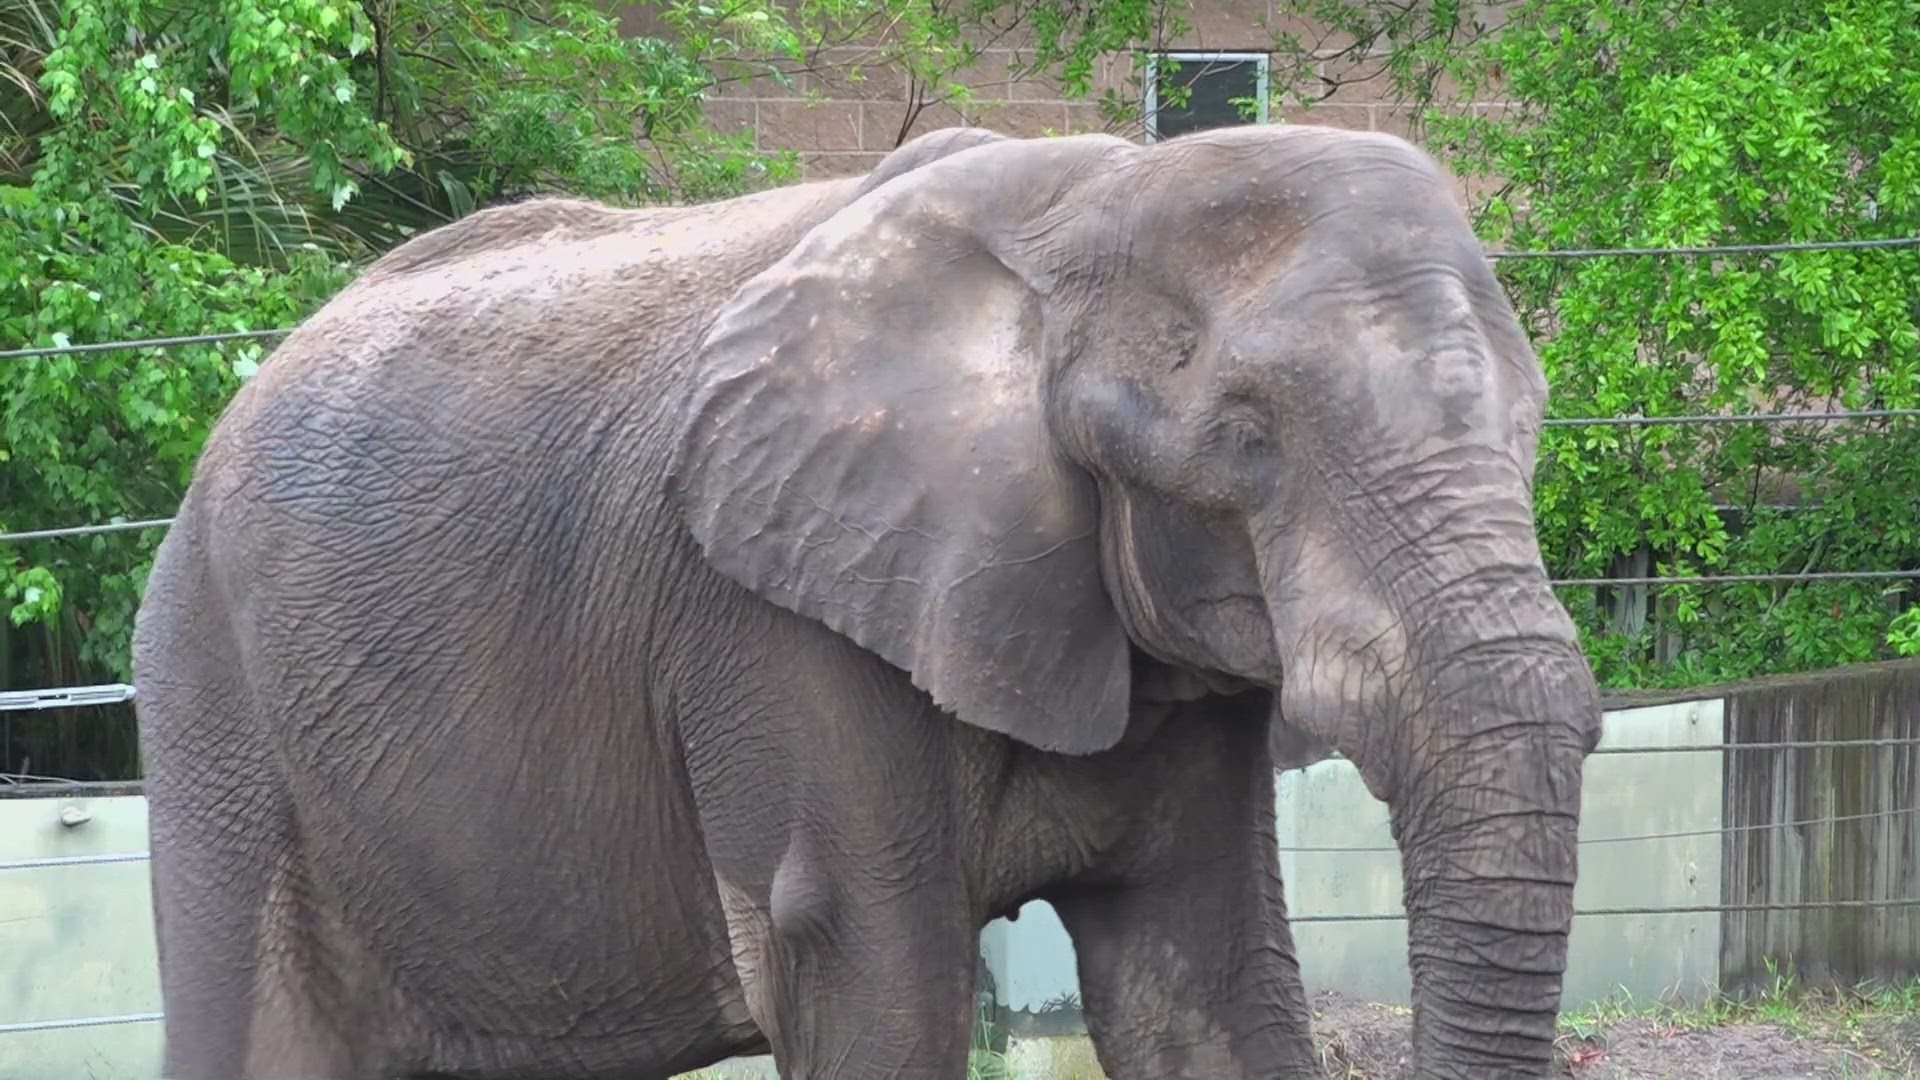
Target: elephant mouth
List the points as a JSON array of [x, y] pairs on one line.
[[1292, 746]]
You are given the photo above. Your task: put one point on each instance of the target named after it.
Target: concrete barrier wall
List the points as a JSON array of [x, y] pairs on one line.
[[76, 941], [1327, 806]]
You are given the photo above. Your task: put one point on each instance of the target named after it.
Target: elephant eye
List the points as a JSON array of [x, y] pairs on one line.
[[1244, 421], [1247, 433]]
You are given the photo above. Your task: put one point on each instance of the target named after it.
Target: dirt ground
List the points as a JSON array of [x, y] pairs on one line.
[[1362, 1041], [1778, 1039]]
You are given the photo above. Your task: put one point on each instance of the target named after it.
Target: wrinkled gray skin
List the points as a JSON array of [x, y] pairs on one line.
[[603, 642]]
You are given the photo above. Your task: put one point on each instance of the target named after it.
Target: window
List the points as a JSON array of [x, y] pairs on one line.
[[1215, 82]]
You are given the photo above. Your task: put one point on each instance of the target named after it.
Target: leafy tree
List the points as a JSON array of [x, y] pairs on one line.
[[1658, 123], [183, 167]]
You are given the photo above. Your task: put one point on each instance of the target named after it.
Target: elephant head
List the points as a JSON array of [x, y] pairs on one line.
[[1249, 403]]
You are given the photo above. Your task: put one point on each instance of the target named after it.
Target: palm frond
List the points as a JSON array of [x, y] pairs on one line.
[[26, 37]]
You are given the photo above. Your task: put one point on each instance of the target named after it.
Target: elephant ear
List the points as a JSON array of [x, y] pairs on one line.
[[869, 447]]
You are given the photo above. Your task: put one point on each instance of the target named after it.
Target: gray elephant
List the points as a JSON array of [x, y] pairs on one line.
[[602, 642]]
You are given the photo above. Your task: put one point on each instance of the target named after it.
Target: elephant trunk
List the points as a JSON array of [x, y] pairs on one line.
[[1486, 816], [1453, 679]]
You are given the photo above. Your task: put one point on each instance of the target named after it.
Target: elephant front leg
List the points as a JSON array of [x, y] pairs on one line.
[[1180, 981], [867, 974], [1187, 965]]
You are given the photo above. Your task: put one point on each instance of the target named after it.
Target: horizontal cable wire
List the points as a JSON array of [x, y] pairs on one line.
[[1695, 909], [1747, 579], [86, 530], [138, 856], [1808, 905], [1707, 579], [1803, 744], [1719, 249], [1379, 849], [147, 1018], [75, 860], [1728, 418], [82, 1022], [1571, 253], [135, 856], [141, 343], [27, 778]]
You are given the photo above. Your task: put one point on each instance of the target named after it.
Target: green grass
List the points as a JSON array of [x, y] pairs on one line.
[[1859, 1019]]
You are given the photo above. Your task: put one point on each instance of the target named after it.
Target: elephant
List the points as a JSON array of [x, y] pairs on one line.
[[602, 641]]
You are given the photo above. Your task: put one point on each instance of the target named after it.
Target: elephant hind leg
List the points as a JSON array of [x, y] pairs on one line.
[[245, 993], [305, 1022]]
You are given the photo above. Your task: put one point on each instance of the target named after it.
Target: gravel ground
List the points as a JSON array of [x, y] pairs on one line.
[[1362, 1041]]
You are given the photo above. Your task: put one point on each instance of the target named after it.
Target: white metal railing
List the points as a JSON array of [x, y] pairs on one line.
[[65, 697]]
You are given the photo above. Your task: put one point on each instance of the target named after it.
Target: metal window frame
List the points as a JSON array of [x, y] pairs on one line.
[[1263, 63]]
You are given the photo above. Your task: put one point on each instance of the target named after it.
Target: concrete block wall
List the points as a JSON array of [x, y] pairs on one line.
[[1338, 860], [842, 126], [845, 109]]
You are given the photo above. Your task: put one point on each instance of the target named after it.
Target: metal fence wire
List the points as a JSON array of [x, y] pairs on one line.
[[1713, 250], [1652, 582], [77, 697], [1362, 849], [118, 692], [32, 1026], [144, 343], [1887, 243], [1565, 254]]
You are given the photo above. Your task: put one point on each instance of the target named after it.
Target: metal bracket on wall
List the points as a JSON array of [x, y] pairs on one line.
[[68, 697]]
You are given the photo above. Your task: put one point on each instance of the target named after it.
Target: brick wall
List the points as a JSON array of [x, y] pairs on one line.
[[842, 125]]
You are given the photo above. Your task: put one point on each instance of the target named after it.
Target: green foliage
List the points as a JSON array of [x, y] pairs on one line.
[[116, 164], [1904, 633], [184, 166], [37, 593], [1668, 123], [181, 167]]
